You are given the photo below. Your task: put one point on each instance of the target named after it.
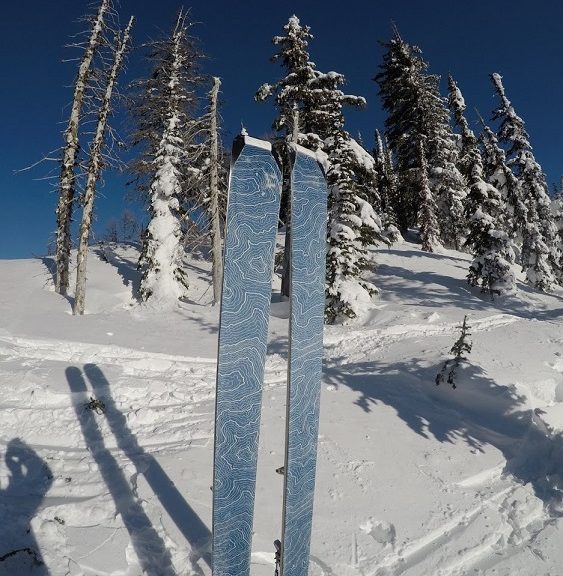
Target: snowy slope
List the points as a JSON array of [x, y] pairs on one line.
[[413, 479]]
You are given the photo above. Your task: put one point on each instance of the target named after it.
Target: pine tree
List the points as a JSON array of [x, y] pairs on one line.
[[150, 102], [468, 139], [416, 113], [427, 221], [557, 212], [490, 244], [387, 186], [353, 225], [498, 173], [304, 93], [540, 258], [400, 83], [316, 99], [292, 91], [171, 89]]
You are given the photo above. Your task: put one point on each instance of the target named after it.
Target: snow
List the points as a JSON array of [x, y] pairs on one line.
[[305, 151], [363, 157], [413, 479], [263, 144]]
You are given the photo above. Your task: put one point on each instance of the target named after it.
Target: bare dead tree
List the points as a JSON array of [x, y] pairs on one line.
[[214, 192], [286, 274], [70, 152], [95, 167]]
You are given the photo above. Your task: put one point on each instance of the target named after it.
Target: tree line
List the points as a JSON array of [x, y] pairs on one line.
[[429, 174]]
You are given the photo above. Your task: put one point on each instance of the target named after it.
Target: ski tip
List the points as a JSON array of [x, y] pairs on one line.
[[297, 148], [250, 141], [243, 139], [318, 155]]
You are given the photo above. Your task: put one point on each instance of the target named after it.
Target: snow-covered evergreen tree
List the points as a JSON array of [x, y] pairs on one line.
[[387, 187], [468, 140], [291, 94], [557, 212], [427, 220], [292, 91], [307, 94], [498, 173], [353, 225], [150, 104], [317, 99], [489, 242], [163, 277], [417, 112], [451, 190], [540, 257]]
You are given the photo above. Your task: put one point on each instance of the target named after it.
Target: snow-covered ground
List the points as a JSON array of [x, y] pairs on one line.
[[413, 479]]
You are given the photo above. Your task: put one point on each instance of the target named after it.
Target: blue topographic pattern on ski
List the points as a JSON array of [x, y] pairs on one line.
[[252, 218], [308, 253]]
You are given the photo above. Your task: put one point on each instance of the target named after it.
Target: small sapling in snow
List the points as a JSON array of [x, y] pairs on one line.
[[96, 405], [462, 346]]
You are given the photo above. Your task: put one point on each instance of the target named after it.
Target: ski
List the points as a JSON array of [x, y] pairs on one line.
[[251, 227], [307, 299]]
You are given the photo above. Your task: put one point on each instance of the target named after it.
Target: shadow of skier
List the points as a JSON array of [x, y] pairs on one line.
[[154, 558], [182, 514], [29, 480]]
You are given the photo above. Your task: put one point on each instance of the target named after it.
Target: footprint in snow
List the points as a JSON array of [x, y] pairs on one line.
[[381, 531]]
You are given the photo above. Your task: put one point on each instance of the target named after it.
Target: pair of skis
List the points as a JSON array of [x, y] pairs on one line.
[[252, 218]]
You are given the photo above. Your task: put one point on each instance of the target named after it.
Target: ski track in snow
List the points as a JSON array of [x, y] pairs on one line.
[[156, 396], [136, 365], [458, 545], [354, 345]]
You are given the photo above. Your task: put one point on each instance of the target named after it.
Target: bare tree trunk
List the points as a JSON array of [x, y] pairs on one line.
[[67, 182], [286, 273], [94, 169], [214, 192]]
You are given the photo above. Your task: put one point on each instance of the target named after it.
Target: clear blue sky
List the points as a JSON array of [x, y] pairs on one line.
[[519, 39]]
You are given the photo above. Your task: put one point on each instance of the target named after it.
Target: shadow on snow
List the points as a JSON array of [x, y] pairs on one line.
[[152, 553], [477, 412], [29, 480]]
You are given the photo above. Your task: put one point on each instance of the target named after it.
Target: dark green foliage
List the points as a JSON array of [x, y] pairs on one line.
[[540, 254], [317, 100], [461, 347], [427, 221], [468, 139], [417, 113]]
